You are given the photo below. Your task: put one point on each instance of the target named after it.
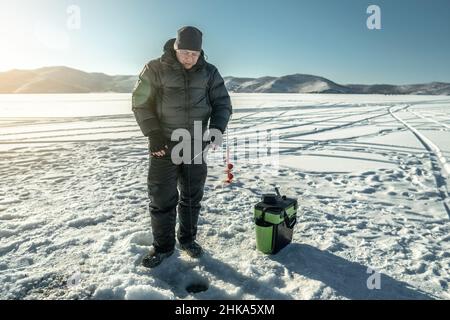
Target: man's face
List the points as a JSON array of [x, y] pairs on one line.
[[188, 58]]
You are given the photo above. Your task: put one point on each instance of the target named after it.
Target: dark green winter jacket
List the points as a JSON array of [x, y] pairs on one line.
[[169, 97]]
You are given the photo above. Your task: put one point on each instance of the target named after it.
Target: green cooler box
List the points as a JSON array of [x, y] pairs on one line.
[[275, 218]]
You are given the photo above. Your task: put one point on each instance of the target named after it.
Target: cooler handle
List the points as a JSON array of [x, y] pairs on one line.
[[290, 223]]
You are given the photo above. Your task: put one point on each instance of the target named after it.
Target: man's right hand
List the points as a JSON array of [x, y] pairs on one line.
[[214, 137]]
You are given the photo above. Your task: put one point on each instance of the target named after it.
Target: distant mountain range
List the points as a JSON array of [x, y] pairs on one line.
[[62, 80], [304, 83], [67, 80]]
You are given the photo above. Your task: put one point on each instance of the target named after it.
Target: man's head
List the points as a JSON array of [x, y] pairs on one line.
[[188, 46]]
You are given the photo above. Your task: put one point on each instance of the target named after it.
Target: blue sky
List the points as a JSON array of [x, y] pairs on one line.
[[242, 38]]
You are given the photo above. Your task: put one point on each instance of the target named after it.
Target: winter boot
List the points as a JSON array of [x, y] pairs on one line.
[[193, 249], [154, 258]]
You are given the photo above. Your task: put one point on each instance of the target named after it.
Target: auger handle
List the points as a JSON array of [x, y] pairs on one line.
[[277, 191]]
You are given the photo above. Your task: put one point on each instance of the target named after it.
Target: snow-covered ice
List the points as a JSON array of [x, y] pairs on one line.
[[370, 172]]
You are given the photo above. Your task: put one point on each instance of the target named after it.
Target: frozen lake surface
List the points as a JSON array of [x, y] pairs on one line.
[[370, 172]]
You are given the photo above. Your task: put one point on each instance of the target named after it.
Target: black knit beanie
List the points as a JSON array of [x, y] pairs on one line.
[[189, 38]]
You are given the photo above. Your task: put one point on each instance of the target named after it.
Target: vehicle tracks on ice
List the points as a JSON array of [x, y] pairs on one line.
[[417, 114], [438, 162]]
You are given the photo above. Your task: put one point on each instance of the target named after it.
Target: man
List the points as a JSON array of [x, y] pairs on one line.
[[172, 92]]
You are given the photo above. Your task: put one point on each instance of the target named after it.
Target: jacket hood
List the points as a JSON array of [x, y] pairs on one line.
[[169, 56]]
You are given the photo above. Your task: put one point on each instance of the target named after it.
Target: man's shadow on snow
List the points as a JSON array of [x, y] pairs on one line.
[[182, 274], [248, 285], [348, 279]]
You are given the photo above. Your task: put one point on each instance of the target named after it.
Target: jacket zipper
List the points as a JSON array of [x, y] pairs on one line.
[[187, 98]]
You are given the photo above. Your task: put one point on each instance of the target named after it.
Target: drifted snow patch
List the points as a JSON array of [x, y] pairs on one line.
[[146, 292]]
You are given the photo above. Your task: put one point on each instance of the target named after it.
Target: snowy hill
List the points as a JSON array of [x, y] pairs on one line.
[[62, 80], [296, 83]]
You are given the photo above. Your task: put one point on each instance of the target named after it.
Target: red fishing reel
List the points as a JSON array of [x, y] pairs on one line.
[[229, 173]]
